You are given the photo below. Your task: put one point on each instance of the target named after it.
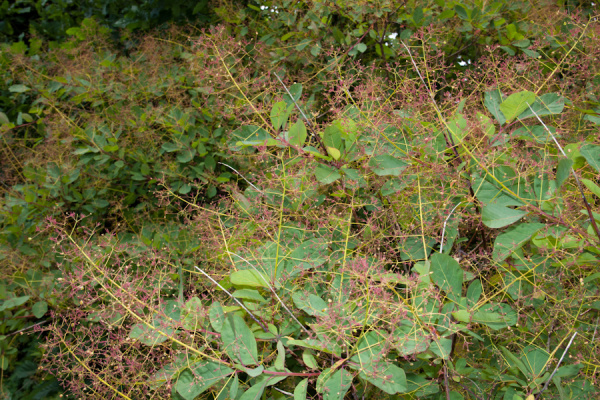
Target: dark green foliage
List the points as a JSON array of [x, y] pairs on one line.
[[294, 200]]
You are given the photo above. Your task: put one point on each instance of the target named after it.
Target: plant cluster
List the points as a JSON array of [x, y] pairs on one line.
[[295, 204]]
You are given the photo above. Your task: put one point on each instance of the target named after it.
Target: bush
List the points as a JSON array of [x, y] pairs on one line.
[[337, 220]]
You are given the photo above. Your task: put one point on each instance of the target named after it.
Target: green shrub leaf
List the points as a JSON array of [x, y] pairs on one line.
[[591, 153], [516, 103], [334, 385], [513, 239], [495, 215], [386, 376], [300, 390], [492, 101], [297, 133], [383, 165], [547, 104], [446, 274], [239, 341], [39, 309], [326, 174], [248, 277]]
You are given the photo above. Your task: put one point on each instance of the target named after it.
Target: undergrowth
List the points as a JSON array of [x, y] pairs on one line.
[[411, 230]]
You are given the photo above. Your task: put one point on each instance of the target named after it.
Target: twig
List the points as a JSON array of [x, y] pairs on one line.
[[446, 382], [444, 230], [27, 328], [283, 391], [557, 365], [234, 299], [249, 183], [585, 202]]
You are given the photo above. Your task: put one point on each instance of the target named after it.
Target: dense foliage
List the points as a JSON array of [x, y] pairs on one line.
[[300, 199]]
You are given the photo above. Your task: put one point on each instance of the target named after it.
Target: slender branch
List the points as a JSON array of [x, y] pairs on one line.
[[234, 299], [585, 202], [446, 385], [249, 183], [444, 230], [557, 365], [27, 328]]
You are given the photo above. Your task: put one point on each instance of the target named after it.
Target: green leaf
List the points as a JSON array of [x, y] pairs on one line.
[[492, 101], [20, 88], [495, 215], [415, 248], [383, 165], [279, 114], [326, 174], [513, 239], [248, 294], [514, 361], [361, 47], [192, 316], [39, 309], [447, 274], [522, 43], [536, 361], [547, 104], [537, 132], [591, 186], [309, 360], [386, 376], [311, 304], [321, 344], [332, 137], [280, 360], [474, 293], [410, 339], [287, 36], [531, 53], [495, 315], [4, 119], [592, 155], [563, 171], [309, 254], [205, 374], [516, 103], [334, 385], [252, 372], [239, 341], [248, 277], [249, 135], [170, 147], [153, 334], [254, 393], [333, 152], [441, 347], [14, 302], [216, 316], [186, 155], [487, 125], [458, 128], [167, 372], [300, 390], [233, 389], [369, 349], [297, 133], [462, 12]]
